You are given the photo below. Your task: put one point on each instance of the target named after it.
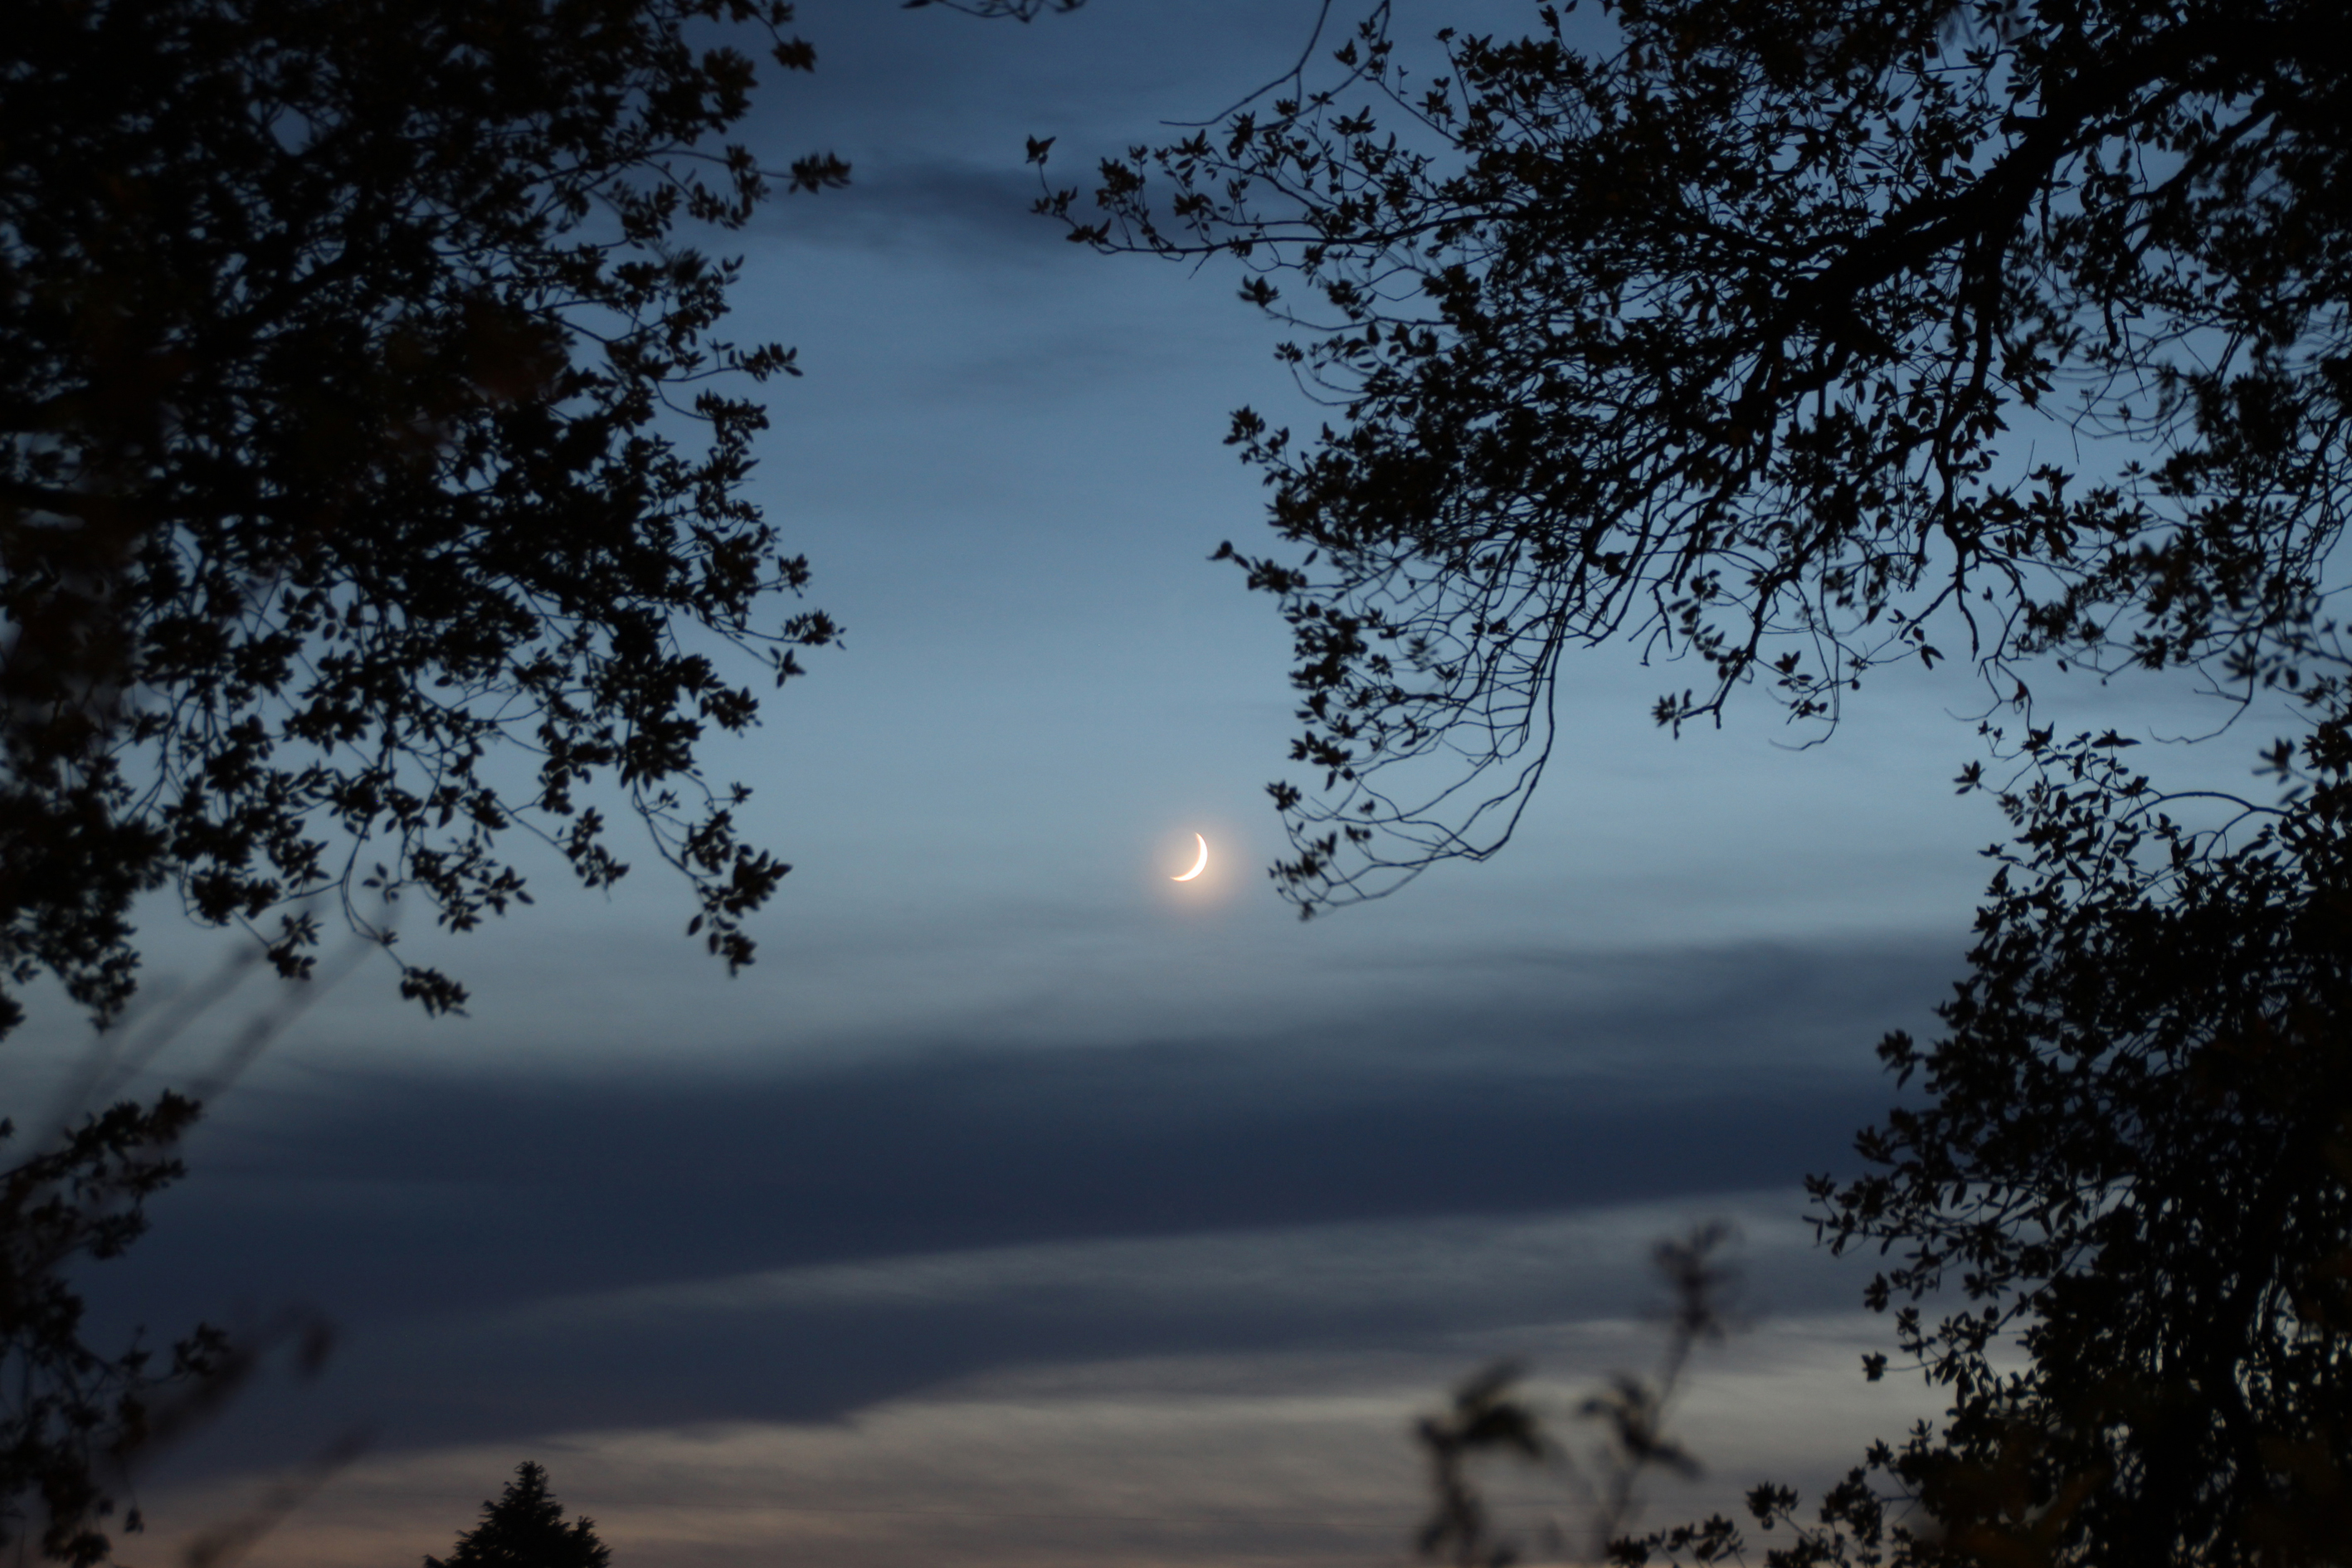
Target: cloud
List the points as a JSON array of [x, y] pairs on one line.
[[553, 1185], [516, 1255], [922, 204]]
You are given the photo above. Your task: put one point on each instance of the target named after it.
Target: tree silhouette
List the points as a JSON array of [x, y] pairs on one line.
[[1712, 343], [525, 1529], [2133, 1163], [364, 409]]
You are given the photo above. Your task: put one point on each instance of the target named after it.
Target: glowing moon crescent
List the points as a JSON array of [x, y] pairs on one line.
[[1198, 866]]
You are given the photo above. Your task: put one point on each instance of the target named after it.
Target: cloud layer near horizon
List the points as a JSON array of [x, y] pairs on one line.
[[510, 1255]]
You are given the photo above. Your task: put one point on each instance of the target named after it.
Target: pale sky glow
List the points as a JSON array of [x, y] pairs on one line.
[[1025, 1202]]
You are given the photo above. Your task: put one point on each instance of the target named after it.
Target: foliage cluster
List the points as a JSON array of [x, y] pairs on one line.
[[2134, 1164], [364, 408]]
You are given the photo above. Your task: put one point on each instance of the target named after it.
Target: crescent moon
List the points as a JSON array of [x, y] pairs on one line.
[[1198, 866]]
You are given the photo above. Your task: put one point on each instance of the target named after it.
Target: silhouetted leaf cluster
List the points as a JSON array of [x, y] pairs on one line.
[[364, 408], [1712, 343], [72, 1417]]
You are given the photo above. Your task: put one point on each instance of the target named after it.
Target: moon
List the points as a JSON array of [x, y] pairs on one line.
[[1198, 866]]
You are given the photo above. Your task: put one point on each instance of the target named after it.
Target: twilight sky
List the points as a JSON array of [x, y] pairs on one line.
[[1020, 1205]]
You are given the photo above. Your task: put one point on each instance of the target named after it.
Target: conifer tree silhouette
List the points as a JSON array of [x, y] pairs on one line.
[[525, 1529]]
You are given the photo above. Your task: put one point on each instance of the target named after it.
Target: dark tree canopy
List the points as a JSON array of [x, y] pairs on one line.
[[364, 407], [1785, 338], [2132, 1159], [2136, 1158], [525, 1529]]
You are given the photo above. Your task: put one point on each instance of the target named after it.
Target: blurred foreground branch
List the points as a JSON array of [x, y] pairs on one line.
[[1491, 1418]]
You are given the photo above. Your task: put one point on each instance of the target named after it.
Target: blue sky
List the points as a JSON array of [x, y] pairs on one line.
[[1020, 1203]]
